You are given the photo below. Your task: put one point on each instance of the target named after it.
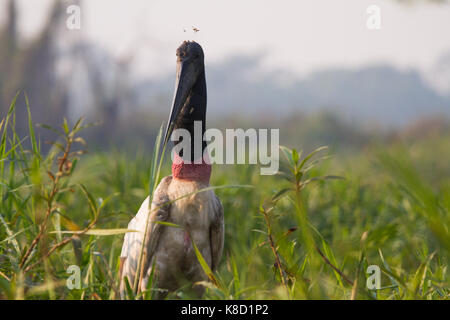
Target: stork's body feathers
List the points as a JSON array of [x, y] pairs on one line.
[[170, 249]]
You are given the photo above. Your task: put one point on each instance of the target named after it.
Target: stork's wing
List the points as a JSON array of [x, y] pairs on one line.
[[216, 233], [132, 244]]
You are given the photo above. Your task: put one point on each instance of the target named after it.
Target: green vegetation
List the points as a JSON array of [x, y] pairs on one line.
[[308, 233]]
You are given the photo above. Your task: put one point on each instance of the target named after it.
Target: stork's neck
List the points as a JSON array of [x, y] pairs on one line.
[[193, 172], [193, 110]]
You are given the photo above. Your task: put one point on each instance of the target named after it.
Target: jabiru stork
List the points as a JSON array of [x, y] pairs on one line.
[[170, 249]]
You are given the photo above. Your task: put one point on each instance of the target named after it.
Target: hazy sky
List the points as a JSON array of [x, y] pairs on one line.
[[300, 36]]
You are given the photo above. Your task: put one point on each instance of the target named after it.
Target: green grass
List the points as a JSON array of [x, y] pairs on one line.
[[299, 235]]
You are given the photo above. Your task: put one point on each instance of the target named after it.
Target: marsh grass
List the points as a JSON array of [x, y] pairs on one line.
[[302, 234]]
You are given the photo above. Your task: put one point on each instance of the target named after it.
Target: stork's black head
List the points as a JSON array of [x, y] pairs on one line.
[[191, 51], [189, 101]]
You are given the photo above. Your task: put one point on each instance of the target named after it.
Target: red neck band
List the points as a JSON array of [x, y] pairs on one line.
[[190, 171]]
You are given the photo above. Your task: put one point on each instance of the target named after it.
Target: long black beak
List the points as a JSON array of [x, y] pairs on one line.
[[186, 78]]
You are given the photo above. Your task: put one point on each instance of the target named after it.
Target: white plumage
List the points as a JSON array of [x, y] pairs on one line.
[[169, 248]]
